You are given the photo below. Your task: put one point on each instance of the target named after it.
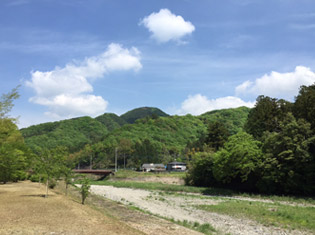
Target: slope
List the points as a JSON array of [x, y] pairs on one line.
[[72, 133], [135, 114], [111, 121]]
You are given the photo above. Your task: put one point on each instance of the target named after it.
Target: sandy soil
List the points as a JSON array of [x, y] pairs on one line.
[[164, 180], [183, 208], [24, 210]]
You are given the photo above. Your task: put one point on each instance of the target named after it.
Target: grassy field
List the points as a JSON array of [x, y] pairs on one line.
[[293, 217]]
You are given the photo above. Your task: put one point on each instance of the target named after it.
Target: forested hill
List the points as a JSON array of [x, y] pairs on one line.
[[171, 133], [111, 121], [72, 133], [135, 114], [233, 119]]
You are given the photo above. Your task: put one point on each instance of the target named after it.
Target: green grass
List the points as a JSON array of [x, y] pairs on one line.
[[128, 174], [293, 217], [203, 228]]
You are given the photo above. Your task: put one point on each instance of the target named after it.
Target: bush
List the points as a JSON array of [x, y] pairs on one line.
[[36, 178], [200, 170], [85, 186], [52, 184]]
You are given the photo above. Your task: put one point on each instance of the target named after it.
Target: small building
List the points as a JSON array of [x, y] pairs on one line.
[[152, 167], [176, 166]]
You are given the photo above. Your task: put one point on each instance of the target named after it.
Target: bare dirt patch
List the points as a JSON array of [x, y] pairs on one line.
[[163, 180], [24, 210]]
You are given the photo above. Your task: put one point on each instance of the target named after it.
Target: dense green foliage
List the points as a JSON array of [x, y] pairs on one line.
[[13, 152], [233, 119], [289, 162], [238, 160], [139, 113], [217, 135], [304, 106], [277, 155], [266, 116], [200, 170], [73, 133], [150, 138], [111, 121]]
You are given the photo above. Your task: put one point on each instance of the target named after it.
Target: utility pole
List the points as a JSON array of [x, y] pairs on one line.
[[116, 159]]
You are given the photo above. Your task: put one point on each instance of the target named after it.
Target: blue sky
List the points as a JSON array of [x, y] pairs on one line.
[[76, 57]]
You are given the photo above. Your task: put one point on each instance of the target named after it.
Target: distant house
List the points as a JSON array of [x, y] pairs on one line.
[[176, 166], [152, 167]]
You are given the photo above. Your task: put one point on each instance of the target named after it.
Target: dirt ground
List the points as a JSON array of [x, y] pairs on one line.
[[184, 208], [24, 210], [164, 180]]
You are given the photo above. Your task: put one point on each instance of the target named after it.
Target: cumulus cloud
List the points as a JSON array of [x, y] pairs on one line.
[[278, 85], [199, 104], [66, 91], [166, 26]]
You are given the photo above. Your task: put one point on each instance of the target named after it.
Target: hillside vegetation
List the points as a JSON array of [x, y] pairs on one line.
[[135, 114], [111, 121], [233, 119], [73, 133], [153, 137]]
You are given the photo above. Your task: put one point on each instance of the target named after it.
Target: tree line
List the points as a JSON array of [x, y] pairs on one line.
[[275, 153]]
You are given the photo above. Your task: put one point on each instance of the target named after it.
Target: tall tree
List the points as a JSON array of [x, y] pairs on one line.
[[6, 103], [50, 164], [304, 106], [238, 160], [289, 162], [266, 115], [217, 135], [13, 152]]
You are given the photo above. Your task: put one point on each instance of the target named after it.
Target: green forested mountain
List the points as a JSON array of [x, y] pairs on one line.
[[161, 139], [135, 114], [111, 121], [153, 134], [73, 133], [233, 119]]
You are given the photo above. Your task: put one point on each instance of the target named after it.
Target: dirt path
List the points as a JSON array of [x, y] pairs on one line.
[[183, 208], [24, 210]]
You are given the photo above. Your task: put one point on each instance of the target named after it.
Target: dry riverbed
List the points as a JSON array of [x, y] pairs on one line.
[[182, 207]]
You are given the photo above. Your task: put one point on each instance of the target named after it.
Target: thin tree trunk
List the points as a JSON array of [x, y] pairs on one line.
[[47, 187]]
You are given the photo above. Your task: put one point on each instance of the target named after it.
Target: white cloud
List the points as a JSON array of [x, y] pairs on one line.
[[199, 104], [166, 26], [278, 85], [66, 91]]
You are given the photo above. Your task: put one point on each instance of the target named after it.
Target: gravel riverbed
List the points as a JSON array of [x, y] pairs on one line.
[[183, 207]]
